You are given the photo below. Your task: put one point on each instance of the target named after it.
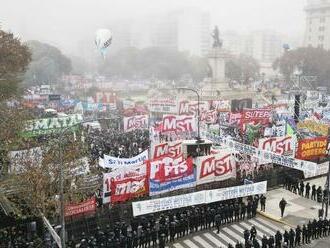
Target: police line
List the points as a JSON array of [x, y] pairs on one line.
[[196, 198], [309, 168]]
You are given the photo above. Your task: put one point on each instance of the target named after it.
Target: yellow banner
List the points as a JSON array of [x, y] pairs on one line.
[[314, 126]]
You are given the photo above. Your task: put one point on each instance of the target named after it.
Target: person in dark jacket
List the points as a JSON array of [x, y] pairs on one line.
[[278, 239], [313, 192], [308, 188], [282, 205], [264, 242], [291, 238], [263, 203]]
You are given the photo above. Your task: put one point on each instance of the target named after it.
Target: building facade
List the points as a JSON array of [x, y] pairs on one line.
[[317, 32]]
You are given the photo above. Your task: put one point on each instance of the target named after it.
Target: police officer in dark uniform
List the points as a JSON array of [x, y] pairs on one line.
[[298, 236], [301, 188], [278, 239], [246, 236], [263, 202], [218, 221], [304, 234], [309, 231], [271, 241], [253, 233], [243, 211], [286, 237], [264, 242], [313, 192], [291, 238], [308, 188]]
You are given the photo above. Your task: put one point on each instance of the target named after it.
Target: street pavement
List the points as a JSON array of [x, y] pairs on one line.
[[299, 211], [229, 234]]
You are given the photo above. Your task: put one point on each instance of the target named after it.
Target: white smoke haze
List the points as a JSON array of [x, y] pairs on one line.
[[71, 24]]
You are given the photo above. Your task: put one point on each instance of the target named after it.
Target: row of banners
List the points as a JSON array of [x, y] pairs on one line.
[[166, 171], [309, 168], [197, 198]]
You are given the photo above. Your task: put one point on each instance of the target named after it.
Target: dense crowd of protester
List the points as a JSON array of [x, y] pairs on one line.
[[117, 143]]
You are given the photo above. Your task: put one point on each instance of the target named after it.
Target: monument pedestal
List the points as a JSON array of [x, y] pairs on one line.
[[217, 85]]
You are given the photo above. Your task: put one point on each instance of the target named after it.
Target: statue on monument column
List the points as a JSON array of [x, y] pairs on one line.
[[217, 42]]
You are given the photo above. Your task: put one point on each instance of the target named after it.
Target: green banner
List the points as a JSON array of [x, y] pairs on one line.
[[51, 125]]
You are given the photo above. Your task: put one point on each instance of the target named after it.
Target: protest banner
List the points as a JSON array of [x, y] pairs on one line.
[[168, 174], [209, 116], [255, 116], [128, 188], [107, 98], [315, 127], [166, 105], [234, 118], [119, 175], [22, 160], [197, 198], [220, 105], [179, 123], [166, 149], [79, 208], [235, 192], [114, 163], [135, 122], [280, 145], [51, 125], [217, 167], [313, 148], [191, 107], [168, 203], [307, 167]]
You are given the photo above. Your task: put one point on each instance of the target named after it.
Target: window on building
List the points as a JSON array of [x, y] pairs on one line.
[[320, 46], [321, 38], [309, 38], [322, 28], [322, 19]]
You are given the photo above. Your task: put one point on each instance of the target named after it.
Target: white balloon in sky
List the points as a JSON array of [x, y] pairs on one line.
[[103, 39]]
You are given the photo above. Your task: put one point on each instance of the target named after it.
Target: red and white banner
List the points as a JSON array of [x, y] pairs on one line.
[[256, 116], [108, 98], [209, 116], [168, 174], [128, 188], [191, 107], [179, 123], [167, 149], [216, 167], [235, 118], [79, 208], [135, 122], [280, 145], [220, 105], [121, 174]]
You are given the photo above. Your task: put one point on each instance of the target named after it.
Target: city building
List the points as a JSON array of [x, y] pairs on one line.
[[317, 32], [186, 30]]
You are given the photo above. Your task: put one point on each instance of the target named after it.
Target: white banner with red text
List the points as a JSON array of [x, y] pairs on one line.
[[136, 122]]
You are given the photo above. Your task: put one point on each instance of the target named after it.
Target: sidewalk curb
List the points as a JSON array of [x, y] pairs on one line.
[[273, 218]]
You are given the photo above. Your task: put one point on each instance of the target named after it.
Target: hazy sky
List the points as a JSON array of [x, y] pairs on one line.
[[65, 22]]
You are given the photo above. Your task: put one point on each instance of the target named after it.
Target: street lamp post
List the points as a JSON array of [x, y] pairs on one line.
[[61, 151], [198, 113]]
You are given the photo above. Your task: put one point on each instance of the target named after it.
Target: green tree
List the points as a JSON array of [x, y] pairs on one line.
[[48, 64], [312, 62], [153, 62], [242, 68], [14, 59]]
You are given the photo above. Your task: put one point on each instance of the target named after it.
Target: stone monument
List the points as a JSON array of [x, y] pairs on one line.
[[216, 85]]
